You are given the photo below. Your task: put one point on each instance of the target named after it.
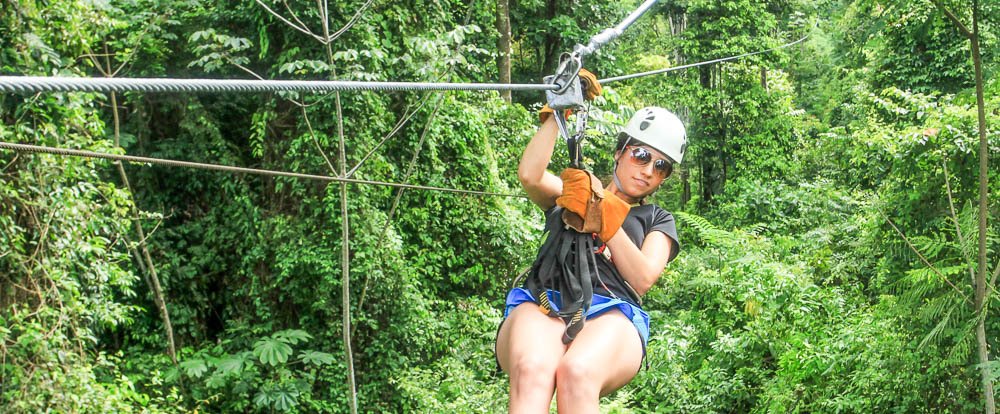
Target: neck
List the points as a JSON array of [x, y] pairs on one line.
[[621, 194]]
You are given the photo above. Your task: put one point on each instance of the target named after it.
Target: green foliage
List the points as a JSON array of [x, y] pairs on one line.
[[793, 293], [267, 374]]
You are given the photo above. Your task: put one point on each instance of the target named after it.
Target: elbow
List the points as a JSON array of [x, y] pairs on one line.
[[645, 283], [527, 178], [644, 286]]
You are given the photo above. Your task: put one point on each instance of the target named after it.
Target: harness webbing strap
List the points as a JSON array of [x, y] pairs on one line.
[[565, 263]]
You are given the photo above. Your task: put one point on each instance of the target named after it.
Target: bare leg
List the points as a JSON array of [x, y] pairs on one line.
[[604, 357], [529, 346]]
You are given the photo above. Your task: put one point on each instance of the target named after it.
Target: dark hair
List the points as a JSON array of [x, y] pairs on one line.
[[624, 138]]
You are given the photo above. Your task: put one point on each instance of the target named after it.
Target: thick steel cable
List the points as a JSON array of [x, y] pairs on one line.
[[36, 84], [26, 148], [609, 34], [708, 62]]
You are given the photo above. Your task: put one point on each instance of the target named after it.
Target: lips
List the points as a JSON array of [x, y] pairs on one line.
[[642, 183]]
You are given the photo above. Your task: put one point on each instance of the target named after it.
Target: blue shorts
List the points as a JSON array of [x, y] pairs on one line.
[[599, 304]]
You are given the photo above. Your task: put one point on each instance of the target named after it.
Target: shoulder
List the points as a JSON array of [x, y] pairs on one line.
[[652, 214]]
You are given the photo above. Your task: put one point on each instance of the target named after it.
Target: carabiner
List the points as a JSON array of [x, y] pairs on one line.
[[569, 94]]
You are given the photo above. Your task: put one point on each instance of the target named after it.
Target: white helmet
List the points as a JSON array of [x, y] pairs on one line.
[[660, 129]]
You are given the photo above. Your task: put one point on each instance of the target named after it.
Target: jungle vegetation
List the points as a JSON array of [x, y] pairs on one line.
[[829, 206]]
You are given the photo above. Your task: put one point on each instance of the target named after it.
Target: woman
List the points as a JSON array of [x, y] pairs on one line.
[[608, 352]]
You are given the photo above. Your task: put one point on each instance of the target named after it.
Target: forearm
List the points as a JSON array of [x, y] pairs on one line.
[[641, 268], [542, 187], [538, 153]]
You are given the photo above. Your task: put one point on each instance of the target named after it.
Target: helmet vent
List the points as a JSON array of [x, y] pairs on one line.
[[648, 121]]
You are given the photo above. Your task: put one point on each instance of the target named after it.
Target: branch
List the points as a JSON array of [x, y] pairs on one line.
[[954, 19], [292, 12], [399, 125], [923, 259], [354, 19], [128, 59], [290, 23], [996, 272], [954, 218], [305, 116]]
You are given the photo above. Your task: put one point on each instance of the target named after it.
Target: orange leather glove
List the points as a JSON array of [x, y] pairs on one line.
[[613, 213], [546, 112], [591, 85], [578, 190], [588, 208]]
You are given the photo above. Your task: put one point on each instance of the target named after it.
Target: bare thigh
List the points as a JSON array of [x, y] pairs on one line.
[[610, 342], [529, 331]]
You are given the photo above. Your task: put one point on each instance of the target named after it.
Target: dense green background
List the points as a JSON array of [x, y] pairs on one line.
[[793, 292]]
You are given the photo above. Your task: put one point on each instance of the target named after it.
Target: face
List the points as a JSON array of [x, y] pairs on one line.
[[641, 170]]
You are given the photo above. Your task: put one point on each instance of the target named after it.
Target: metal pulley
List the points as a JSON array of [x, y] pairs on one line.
[[569, 95]]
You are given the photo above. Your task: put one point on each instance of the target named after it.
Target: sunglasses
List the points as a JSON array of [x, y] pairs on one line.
[[642, 157]]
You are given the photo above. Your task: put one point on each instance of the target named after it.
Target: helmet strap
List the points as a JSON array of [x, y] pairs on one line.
[[614, 172]]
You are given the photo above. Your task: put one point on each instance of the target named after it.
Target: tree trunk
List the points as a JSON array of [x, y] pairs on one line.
[[983, 350], [712, 151], [981, 288], [553, 41], [145, 260], [686, 188], [503, 45]]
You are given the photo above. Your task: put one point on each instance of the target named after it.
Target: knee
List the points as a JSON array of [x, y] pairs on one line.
[[532, 370], [577, 376]]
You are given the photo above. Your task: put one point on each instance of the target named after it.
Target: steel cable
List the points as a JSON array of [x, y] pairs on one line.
[[707, 62], [611, 33], [36, 84]]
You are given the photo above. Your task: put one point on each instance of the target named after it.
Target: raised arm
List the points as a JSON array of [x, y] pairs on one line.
[[542, 186]]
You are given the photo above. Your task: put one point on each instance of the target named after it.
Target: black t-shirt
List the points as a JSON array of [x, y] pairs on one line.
[[641, 220]]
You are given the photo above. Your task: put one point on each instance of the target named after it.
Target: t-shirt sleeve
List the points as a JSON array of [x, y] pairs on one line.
[[664, 222]]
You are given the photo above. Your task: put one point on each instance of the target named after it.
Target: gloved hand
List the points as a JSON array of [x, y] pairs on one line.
[[613, 213], [547, 112], [592, 88], [588, 208]]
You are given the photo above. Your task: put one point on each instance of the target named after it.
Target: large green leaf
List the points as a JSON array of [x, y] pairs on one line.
[[231, 364], [194, 367], [271, 351], [292, 336], [316, 358]]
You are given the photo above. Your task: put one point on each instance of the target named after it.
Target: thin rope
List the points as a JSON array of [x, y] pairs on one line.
[[708, 62], [25, 148], [36, 84]]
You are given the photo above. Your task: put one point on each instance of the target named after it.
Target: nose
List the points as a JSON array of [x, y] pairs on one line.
[[648, 170]]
